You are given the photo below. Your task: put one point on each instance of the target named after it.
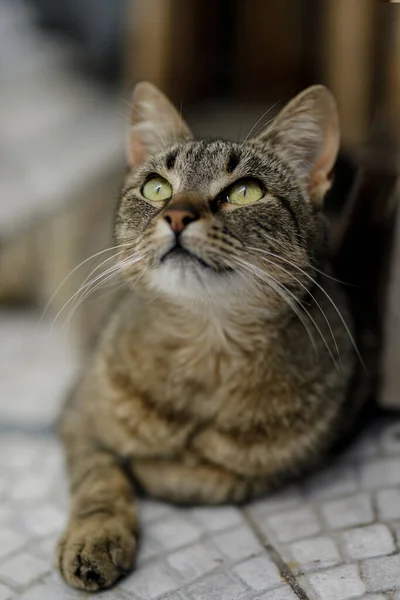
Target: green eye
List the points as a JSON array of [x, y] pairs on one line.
[[157, 189], [245, 192]]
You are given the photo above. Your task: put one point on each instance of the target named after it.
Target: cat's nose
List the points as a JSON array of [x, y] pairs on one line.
[[179, 217]]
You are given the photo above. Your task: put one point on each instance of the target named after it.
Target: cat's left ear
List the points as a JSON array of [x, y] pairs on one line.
[[307, 133], [155, 124]]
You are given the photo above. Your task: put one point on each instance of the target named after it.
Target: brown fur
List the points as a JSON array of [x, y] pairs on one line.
[[205, 384]]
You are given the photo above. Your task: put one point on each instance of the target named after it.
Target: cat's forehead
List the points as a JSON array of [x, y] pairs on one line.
[[203, 162]]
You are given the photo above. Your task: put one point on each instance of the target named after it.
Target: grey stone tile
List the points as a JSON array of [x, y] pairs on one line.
[[259, 573], [174, 532], [390, 439], [368, 542], [288, 498], [10, 541], [381, 574], [151, 510], [217, 519], [238, 543], [43, 591], [43, 520], [23, 569], [195, 561], [5, 592], [340, 583], [175, 596], [332, 483], [295, 524], [217, 587], [388, 504], [348, 512], [149, 583], [315, 553], [283, 593], [381, 472]]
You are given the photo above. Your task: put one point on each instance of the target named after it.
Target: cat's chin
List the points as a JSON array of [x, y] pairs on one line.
[[192, 280]]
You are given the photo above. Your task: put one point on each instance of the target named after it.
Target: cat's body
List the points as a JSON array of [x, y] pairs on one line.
[[226, 370]]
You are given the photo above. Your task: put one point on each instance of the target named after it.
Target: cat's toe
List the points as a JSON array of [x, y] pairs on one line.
[[93, 555]]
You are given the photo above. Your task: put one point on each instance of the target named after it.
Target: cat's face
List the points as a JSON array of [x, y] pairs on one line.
[[211, 218]]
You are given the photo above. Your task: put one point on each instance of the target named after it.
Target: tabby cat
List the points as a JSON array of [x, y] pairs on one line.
[[223, 372]]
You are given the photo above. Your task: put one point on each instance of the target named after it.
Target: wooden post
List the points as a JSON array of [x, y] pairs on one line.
[[148, 51], [348, 27], [390, 396]]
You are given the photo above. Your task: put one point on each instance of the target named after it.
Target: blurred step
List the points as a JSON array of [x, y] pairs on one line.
[[61, 163], [37, 367]]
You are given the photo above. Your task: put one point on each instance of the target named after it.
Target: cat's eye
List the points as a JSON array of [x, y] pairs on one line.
[[245, 192], [157, 189]]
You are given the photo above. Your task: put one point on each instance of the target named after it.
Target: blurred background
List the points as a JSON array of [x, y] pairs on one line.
[[66, 74]]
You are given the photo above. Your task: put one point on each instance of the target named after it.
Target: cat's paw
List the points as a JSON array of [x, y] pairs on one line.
[[94, 554]]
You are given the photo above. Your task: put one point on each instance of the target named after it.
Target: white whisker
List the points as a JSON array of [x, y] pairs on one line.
[[258, 271], [327, 296], [93, 256], [258, 121], [304, 287]]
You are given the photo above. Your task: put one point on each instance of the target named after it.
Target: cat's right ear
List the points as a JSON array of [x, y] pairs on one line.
[[307, 132], [155, 124]]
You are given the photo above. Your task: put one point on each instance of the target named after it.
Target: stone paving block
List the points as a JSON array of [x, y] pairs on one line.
[[10, 541], [176, 596], [388, 504], [238, 544], [288, 498], [217, 519], [381, 574], [390, 439], [217, 587], [59, 590], [365, 446], [6, 515], [150, 582], [315, 553], [395, 527], [23, 568], [148, 549], [283, 593], [174, 532], [5, 592], [340, 583], [332, 483], [44, 519], [195, 561], [44, 591], [368, 542], [151, 510], [31, 488], [295, 524], [259, 573], [45, 548], [348, 512], [381, 472]]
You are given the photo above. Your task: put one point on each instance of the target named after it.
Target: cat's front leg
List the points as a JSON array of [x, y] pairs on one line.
[[190, 480], [99, 544]]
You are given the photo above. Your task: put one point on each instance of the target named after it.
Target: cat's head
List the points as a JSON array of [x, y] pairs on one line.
[[205, 218]]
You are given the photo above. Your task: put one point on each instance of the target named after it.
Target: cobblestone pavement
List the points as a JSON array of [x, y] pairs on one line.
[[334, 536]]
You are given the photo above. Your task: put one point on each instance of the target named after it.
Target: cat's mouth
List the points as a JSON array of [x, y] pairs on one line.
[[181, 255]]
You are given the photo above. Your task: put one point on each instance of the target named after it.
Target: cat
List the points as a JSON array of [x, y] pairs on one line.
[[224, 371]]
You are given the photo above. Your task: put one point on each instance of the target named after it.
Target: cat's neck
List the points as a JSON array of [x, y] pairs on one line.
[[244, 321]]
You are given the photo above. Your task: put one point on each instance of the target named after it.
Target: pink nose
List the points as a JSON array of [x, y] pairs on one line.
[[178, 219]]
